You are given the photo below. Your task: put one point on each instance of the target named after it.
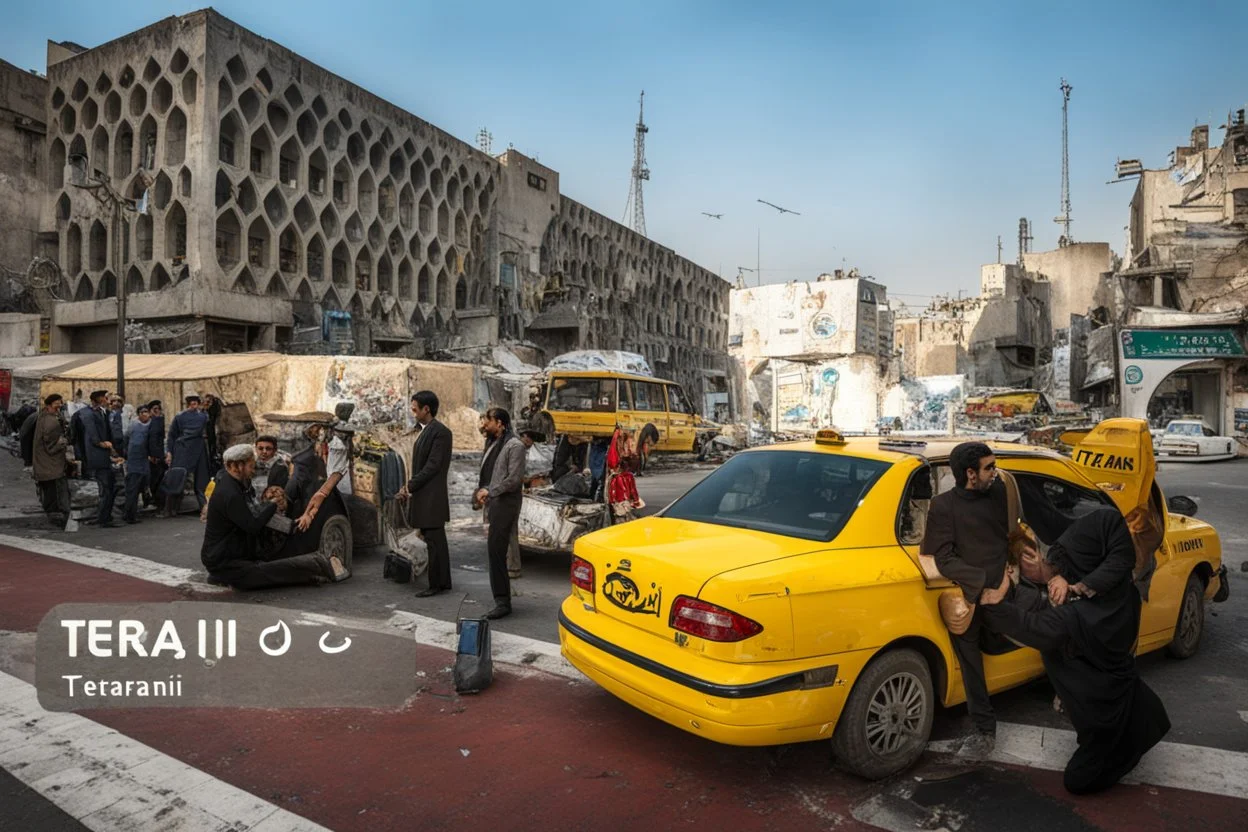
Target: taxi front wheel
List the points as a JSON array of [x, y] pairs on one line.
[[888, 717], [1191, 624]]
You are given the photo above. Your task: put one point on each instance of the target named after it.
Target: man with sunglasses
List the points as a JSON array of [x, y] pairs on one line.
[[968, 535]]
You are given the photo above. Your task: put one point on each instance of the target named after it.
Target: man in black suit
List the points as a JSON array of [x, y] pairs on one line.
[[428, 504]]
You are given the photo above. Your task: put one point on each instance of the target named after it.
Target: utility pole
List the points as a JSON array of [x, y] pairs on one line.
[[114, 202], [1063, 219], [998, 249], [641, 173], [1024, 238]]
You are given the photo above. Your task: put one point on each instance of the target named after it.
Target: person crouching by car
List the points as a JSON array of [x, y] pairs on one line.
[[229, 551]]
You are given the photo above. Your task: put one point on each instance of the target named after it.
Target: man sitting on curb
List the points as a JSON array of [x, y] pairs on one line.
[[229, 552]]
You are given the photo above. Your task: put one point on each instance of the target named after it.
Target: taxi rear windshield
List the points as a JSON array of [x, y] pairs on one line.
[[804, 494]]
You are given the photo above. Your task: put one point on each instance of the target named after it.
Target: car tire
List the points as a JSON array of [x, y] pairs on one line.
[[1191, 623], [336, 539], [887, 719]]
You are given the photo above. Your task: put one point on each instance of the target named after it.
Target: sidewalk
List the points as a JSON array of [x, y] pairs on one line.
[[535, 751]]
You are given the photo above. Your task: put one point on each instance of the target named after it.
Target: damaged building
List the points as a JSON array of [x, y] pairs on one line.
[[1170, 342], [813, 354], [281, 207], [1001, 338]]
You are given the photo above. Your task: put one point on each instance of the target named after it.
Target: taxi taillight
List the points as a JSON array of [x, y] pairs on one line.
[[708, 621], [582, 574]]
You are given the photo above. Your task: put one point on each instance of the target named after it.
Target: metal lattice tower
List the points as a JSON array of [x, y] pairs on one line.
[[636, 204], [1063, 219], [1024, 238]]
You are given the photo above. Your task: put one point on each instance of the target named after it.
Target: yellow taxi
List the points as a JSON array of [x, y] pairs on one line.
[[783, 598]]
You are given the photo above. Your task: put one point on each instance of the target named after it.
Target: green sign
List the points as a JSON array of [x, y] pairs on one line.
[[1179, 343]]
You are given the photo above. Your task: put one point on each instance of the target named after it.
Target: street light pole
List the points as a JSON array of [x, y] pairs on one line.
[[105, 195]]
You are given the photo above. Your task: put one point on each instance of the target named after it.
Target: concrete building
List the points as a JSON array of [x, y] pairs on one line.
[[22, 167], [1076, 275], [1172, 342], [289, 209], [813, 354], [999, 339]]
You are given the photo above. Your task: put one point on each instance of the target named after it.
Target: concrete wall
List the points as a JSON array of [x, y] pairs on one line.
[[1074, 273], [19, 334], [22, 161], [817, 318], [841, 392]]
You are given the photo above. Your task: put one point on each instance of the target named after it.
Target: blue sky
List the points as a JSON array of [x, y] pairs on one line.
[[908, 134]]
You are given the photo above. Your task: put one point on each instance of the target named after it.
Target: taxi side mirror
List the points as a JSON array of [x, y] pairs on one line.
[[1181, 505]]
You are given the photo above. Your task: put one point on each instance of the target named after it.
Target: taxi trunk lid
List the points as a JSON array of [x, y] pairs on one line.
[[641, 567], [1117, 455]]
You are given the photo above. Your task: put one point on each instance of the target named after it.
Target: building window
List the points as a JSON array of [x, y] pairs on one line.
[[227, 246], [255, 251], [536, 181], [316, 181], [227, 150], [287, 172], [257, 160]]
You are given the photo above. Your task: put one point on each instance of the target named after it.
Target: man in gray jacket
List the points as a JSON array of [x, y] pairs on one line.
[[500, 489]]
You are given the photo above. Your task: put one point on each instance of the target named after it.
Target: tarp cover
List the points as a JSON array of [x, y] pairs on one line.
[[614, 360]]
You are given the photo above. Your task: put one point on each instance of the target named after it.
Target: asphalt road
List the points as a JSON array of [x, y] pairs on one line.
[[1207, 696]]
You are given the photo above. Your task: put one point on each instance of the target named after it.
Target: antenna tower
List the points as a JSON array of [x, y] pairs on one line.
[[485, 140], [1063, 219], [641, 173], [1024, 238]]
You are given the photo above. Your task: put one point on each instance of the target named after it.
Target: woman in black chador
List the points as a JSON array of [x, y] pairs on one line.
[[1087, 644]]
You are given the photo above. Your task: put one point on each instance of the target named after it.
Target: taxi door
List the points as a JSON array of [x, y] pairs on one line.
[[650, 408], [1117, 455]]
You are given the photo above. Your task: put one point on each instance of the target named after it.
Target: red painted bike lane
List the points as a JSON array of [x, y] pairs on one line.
[[539, 751]]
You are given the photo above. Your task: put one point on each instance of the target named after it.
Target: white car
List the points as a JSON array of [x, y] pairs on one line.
[[1194, 439]]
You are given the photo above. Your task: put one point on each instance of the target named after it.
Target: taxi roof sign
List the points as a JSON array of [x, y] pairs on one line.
[[828, 436]]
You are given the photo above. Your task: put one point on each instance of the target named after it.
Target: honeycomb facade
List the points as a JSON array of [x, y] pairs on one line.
[[280, 196]]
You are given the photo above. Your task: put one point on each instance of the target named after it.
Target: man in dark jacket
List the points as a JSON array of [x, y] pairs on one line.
[[429, 505], [26, 437], [233, 530], [99, 455], [155, 451], [500, 489], [967, 533], [138, 468], [1086, 634], [49, 460]]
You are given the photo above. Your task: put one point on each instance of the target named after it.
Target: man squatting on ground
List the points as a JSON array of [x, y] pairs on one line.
[[234, 532], [968, 535]]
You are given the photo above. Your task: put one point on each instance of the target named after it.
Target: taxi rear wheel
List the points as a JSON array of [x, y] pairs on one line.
[[1191, 624], [887, 719]]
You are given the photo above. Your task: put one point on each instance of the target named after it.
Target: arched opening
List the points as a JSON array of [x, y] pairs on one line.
[[190, 88], [426, 213], [461, 294], [62, 208], [230, 140], [227, 241], [143, 236], [258, 245], [99, 153], [147, 144], [56, 164], [175, 138], [446, 289], [134, 281], [444, 221], [424, 286], [85, 290], [289, 161], [407, 207], [288, 251], [386, 203], [175, 233], [160, 278], [261, 153], [385, 275], [107, 287], [316, 258], [405, 279], [339, 265], [97, 256], [276, 287], [366, 195], [245, 282], [73, 249], [363, 271]]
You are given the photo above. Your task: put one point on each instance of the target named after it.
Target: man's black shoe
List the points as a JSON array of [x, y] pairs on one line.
[[110, 525], [498, 612], [132, 522], [429, 593]]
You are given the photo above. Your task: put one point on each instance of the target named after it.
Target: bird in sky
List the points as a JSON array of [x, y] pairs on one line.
[[713, 216], [778, 208]]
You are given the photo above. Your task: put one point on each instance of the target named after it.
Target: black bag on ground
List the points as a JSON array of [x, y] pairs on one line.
[[474, 662], [173, 482], [573, 484], [397, 568]]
